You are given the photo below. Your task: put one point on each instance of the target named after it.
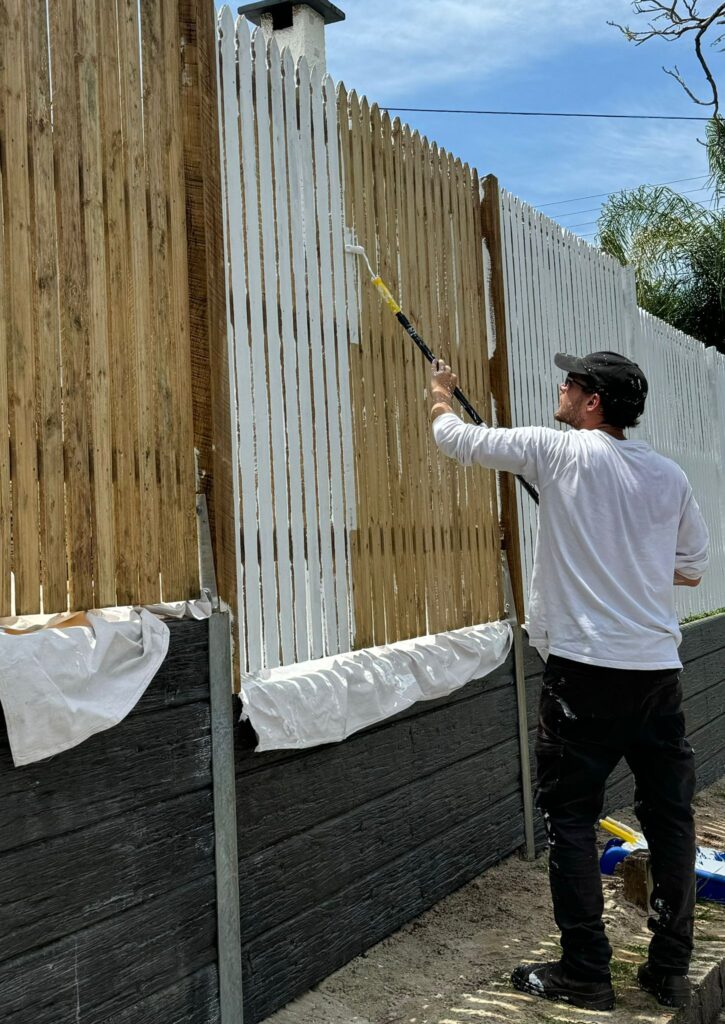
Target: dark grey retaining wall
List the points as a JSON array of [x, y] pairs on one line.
[[341, 845], [107, 874], [107, 882], [703, 685]]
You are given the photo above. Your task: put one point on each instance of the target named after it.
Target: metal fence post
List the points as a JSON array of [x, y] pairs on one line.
[[527, 794], [225, 819]]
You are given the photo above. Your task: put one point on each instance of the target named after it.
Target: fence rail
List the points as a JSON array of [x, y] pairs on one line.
[[96, 465]]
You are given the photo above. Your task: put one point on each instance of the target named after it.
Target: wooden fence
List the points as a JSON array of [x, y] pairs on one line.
[[351, 529], [160, 295], [96, 463]]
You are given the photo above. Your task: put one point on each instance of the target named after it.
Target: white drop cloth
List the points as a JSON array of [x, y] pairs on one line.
[[58, 686], [324, 701]]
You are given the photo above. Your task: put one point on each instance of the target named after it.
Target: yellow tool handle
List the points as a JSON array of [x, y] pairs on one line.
[[618, 830], [389, 300]]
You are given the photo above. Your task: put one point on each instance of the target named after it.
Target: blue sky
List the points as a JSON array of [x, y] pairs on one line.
[[529, 55]]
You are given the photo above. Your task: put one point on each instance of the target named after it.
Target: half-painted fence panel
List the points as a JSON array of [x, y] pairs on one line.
[[289, 329], [97, 481], [351, 529], [565, 295]]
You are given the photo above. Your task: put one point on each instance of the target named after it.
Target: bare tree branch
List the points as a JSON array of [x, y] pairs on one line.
[[674, 20]]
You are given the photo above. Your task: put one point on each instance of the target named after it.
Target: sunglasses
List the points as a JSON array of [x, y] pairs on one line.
[[576, 382]]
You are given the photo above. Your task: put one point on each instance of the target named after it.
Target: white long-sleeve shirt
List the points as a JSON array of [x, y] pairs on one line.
[[616, 520]]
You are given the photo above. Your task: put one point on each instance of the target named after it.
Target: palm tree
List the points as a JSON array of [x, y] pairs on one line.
[[676, 246]]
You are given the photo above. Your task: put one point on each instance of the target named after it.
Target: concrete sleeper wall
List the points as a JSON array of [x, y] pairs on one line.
[[107, 872]]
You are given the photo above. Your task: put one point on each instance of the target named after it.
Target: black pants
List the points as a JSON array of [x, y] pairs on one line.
[[589, 719]]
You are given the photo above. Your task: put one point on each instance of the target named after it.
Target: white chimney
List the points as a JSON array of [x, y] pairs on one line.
[[301, 27]]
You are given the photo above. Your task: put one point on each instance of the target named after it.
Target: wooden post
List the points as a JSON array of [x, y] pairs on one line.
[[501, 390], [210, 368], [500, 384]]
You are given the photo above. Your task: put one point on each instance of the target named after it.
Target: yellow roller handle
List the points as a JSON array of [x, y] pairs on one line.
[[389, 300], [619, 830]]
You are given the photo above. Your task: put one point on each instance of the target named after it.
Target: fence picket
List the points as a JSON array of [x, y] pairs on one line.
[[257, 365], [249, 600], [280, 495], [282, 199], [316, 644], [323, 214], [19, 297], [386, 368], [363, 551], [179, 336], [415, 371], [47, 327], [5, 493], [127, 514], [87, 63], [345, 331], [141, 321], [316, 367]]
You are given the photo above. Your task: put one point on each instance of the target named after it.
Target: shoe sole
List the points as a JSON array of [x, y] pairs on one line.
[[599, 1005]]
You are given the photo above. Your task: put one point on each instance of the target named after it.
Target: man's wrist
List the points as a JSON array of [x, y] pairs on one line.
[[439, 408]]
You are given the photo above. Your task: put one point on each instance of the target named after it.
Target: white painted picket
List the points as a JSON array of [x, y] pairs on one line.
[[559, 297], [565, 295], [683, 420], [289, 325]]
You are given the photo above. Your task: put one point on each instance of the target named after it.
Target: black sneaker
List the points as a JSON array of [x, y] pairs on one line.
[[550, 981], [668, 989]]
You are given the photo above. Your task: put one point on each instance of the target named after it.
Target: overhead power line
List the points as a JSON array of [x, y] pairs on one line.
[[585, 223], [546, 113], [605, 195], [593, 209]]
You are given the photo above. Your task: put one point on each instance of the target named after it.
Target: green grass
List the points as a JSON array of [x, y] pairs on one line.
[[623, 972], [701, 615]]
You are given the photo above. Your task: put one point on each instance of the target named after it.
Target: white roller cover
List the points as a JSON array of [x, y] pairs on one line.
[[324, 701]]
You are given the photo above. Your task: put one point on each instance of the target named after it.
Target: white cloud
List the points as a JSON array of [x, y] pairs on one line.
[[391, 48], [618, 157]]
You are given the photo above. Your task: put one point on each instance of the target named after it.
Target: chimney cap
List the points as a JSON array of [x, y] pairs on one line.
[[327, 10]]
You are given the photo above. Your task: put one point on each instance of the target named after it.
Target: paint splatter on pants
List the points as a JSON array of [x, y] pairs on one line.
[[589, 718]]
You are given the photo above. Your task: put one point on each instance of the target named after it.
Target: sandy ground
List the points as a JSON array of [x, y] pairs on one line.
[[452, 965]]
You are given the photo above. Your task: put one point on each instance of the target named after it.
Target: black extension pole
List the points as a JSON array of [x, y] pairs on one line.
[[358, 250], [457, 393]]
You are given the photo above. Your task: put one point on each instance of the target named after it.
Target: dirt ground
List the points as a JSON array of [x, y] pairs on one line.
[[452, 965]]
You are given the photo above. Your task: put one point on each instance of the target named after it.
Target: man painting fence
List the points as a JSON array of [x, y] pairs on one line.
[[618, 526]]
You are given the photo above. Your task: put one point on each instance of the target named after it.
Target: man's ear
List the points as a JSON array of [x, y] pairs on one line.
[[594, 402]]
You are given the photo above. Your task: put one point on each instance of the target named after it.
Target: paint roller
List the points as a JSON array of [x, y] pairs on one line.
[[377, 281]]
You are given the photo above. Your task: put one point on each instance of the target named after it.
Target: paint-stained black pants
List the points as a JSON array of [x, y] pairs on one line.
[[589, 719]]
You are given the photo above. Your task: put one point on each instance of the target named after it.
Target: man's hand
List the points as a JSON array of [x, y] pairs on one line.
[[682, 581], [442, 385]]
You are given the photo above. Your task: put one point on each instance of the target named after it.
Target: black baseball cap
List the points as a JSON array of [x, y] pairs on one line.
[[611, 374]]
